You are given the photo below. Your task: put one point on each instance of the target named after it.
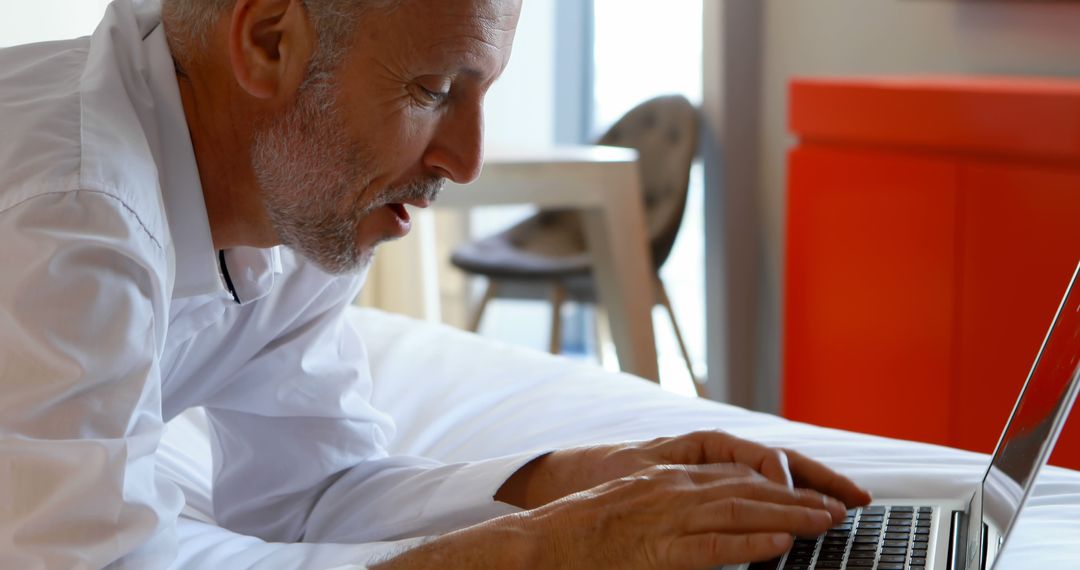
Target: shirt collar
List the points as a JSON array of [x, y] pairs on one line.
[[251, 271], [196, 261]]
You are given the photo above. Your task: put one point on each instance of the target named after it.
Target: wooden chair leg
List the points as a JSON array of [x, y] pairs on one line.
[[666, 302], [558, 297], [478, 311]]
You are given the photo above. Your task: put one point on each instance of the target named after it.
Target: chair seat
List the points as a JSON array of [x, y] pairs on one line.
[[545, 256], [551, 244], [547, 246]]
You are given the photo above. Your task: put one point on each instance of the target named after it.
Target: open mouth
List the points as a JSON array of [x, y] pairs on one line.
[[400, 211]]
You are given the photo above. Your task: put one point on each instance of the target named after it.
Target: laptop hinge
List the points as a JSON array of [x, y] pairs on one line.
[[957, 541]]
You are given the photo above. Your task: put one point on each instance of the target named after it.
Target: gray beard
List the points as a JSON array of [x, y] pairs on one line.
[[315, 182]]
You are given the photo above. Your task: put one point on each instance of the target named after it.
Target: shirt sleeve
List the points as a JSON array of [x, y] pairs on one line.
[[80, 415], [300, 454]]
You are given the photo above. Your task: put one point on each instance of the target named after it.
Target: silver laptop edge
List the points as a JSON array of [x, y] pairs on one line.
[[965, 536], [983, 547]]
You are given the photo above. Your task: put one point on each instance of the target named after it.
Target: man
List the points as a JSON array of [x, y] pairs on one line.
[[187, 201]]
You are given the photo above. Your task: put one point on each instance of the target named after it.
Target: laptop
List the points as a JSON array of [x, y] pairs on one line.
[[968, 533]]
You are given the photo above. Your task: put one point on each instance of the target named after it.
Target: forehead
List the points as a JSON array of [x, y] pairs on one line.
[[446, 31]]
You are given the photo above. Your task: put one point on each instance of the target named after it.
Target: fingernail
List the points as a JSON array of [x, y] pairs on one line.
[[822, 516], [781, 540]]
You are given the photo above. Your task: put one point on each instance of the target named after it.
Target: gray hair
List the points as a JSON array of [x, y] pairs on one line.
[[188, 24]]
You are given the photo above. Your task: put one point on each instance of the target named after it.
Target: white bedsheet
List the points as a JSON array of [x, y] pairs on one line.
[[456, 396]]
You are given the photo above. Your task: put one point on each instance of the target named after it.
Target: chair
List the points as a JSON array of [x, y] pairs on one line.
[[546, 255]]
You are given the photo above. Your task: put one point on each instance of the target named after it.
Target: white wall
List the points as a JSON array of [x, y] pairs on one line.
[[27, 21], [888, 36]]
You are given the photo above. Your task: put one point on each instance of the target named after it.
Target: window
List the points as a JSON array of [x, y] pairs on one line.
[[644, 48]]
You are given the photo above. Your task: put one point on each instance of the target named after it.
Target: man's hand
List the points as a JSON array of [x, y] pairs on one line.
[[668, 517], [568, 471], [661, 518], [684, 503]]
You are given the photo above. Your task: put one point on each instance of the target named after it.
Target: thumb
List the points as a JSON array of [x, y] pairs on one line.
[[774, 466]]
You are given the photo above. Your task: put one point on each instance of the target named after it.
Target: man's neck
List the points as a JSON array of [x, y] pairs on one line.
[[221, 134]]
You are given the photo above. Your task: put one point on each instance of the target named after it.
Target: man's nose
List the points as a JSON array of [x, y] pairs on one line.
[[456, 151]]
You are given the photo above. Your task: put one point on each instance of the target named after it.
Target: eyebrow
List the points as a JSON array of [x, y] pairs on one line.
[[471, 72]]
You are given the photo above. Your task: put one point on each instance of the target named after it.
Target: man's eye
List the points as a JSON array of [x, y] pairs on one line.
[[428, 96], [435, 96]]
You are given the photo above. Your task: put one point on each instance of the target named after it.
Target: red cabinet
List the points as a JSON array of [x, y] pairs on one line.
[[923, 265]]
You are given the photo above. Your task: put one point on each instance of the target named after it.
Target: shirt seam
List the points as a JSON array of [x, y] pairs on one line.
[[117, 199], [82, 160]]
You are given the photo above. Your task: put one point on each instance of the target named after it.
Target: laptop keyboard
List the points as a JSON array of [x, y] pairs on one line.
[[875, 537]]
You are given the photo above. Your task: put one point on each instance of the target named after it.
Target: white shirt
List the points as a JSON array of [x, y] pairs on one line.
[[114, 318]]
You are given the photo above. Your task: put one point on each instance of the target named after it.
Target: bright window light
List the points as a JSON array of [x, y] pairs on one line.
[[645, 48]]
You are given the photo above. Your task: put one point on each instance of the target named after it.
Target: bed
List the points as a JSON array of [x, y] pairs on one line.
[[456, 396]]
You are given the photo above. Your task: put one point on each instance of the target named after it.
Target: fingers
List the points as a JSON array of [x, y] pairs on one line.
[[713, 472], [718, 481], [772, 493], [756, 522], [774, 466], [720, 447], [740, 515], [711, 549], [679, 516], [772, 463], [782, 466], [813, 475], [732, 480]]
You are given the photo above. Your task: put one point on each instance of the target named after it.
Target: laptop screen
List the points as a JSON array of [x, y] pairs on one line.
[[1037, 418]]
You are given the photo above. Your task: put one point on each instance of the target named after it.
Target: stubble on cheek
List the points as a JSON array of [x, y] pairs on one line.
[[318, 184], [314, 181]]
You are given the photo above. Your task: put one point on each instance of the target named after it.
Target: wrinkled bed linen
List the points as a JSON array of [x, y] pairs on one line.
[[456, 396]]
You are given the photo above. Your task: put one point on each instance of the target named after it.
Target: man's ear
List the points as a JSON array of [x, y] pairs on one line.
[[270, 44]]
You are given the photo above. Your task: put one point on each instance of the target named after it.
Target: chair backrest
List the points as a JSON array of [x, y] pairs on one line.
[[664, 131]]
